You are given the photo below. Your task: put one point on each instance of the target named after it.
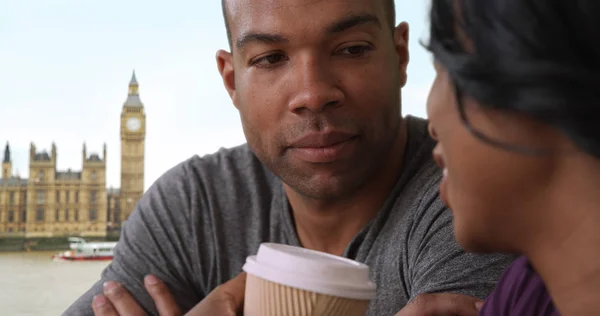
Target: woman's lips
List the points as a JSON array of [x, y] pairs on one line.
[[438, 156], [443, 187]]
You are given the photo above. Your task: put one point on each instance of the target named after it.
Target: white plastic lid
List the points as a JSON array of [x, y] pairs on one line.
[[311, 271]]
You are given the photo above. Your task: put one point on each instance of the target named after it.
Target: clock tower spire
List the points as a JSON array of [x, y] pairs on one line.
[[133, 135], [133, 97]]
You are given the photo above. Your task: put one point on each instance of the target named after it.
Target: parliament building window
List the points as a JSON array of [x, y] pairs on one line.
[[41, 197], [11, 216], [11, 198], [39, 215], [93, 215]]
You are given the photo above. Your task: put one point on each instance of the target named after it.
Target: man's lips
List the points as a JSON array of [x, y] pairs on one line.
[[324, 147], [321, 140]]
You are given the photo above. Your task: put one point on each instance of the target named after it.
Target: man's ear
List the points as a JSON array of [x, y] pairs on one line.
[[401, 41], [225, 65]]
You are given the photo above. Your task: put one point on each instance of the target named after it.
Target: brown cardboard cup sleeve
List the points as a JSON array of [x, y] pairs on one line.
[[285, 280]]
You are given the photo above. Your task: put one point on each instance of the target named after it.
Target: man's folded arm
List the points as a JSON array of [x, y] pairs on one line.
[[155, 240]]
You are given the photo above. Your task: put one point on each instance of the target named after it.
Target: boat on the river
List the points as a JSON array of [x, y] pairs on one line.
[[82, 250]]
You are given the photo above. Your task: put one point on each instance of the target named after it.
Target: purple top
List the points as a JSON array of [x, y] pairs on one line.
[[520, 291]]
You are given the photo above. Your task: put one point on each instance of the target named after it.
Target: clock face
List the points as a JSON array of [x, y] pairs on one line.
[[133, 124]]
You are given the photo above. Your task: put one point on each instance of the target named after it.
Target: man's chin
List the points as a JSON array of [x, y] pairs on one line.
[[320, 187]]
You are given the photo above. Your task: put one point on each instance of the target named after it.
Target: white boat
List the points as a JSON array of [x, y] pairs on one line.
[[82, 250]]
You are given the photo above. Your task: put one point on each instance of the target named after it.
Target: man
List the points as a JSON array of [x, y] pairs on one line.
[[330, 164]]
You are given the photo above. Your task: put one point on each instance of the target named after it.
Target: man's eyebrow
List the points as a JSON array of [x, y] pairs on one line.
[[264, 38], [352, 21], [337, 27]]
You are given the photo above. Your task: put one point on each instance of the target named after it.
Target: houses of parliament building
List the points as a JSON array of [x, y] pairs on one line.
[[53, 203]]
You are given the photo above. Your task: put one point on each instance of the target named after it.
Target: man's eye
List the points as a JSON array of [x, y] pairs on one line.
[[269, 60], [356, 50]]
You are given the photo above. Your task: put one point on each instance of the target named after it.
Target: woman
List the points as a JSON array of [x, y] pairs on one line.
[[515, 108]]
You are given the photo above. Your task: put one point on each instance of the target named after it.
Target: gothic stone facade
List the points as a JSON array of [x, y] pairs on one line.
[[52, 203]]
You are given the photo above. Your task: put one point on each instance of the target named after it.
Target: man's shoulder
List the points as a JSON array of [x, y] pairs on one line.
[[422, 175], [229, 167], [218, 184]]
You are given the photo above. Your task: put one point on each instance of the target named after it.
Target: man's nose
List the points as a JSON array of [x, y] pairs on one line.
[[316, 88]]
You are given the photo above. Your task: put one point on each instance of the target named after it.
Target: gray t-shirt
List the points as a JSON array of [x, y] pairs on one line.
[[197, 223]]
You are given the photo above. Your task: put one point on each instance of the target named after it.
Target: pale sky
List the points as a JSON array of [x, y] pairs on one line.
[[65, 66]]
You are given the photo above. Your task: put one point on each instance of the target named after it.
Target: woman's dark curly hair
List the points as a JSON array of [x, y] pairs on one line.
[[539, 58]]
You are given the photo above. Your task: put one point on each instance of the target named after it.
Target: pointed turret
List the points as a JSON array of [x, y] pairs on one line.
[[84, 152], [53, 152], [6, 163], [32, 151], [133, 97], [6, 153]]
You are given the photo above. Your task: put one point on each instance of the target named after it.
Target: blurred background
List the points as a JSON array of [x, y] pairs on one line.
[[82, 135]]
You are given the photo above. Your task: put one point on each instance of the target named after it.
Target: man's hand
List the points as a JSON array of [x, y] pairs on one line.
[[226, 300], [117, 301], [442, 304]]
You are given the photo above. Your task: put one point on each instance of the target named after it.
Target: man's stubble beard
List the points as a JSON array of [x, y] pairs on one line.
[[340, 187]]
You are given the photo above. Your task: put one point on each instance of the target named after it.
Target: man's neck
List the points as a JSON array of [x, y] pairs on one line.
[[330, 226], [567, 255]]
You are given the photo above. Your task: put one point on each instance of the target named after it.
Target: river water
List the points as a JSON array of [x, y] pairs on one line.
[[32, 284]]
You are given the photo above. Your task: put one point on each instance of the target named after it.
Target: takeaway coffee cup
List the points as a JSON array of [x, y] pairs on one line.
[[285, 280]]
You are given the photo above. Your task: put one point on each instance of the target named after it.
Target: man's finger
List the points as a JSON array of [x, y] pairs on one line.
[[163, 299], [235, 290], [102, 306], [123, 302]]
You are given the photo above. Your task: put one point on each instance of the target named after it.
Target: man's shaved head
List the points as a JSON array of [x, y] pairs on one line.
[[390, 9], [224, 8]]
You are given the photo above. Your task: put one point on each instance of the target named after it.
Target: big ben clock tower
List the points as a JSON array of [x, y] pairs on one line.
[[133, 134]]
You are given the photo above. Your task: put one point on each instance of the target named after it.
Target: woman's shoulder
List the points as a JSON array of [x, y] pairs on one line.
[[520, 291]]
